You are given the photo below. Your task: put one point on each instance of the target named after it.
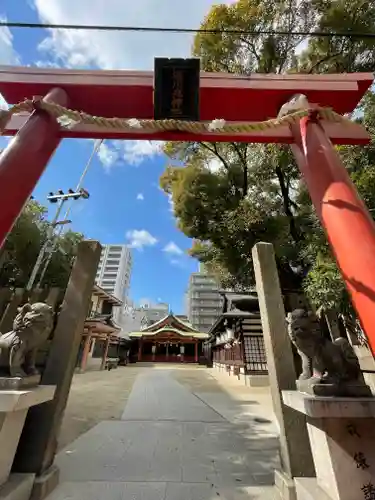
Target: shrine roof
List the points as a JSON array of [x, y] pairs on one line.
[[167, 330], [101, 293], [101, 324], [235, 98], [170, 319]]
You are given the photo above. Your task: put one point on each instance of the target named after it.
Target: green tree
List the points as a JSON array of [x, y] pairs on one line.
[[59, 268], [324, 284], [251, 186], [335, 54], [21, 249], [259, 53], [22, 245], [228, 196]]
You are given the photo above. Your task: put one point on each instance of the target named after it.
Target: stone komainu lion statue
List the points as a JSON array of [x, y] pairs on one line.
[[323, 360], [31, 328]]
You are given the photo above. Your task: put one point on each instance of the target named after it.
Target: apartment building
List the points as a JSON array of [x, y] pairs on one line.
[[114, 270], [153, 312], [131, 316], [204, 302], [135, 318]]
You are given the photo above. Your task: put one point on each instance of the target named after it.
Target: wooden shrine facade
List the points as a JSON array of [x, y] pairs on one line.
[[170, 340], [236, 339], [100, 336]]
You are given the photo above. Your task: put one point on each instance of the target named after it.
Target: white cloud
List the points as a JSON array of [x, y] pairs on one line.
[[47, 64], [107, 156], [172, 249], [140, 239], [140, 197], [176, 255], [132, 152], [170, 202], [214, 165], [119, 50], [302, 46], [3, 103], [8, 54], [135, 152]]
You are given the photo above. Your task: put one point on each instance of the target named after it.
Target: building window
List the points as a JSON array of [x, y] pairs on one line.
[[255, 354]]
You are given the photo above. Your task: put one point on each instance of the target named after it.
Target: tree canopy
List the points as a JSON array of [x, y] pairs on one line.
[[21, 249], [228, 196]]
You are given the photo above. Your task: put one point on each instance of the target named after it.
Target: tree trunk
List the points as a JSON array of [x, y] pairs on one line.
[[294, 231]]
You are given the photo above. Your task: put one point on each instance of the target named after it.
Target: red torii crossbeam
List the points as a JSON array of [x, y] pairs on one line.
[[129, 94], [350, 228]]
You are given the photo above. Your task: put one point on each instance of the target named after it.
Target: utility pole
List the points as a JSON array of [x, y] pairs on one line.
[[60, 197], [65, 221]]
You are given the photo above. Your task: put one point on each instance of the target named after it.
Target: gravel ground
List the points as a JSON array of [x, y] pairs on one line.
[[96, 396]]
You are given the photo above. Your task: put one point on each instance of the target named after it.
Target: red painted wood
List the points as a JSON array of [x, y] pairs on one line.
[[129, 94], [24, 160], [349, 226]]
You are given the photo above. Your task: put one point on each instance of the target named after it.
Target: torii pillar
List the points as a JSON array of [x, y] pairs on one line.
[[349, 227], [24, 160]]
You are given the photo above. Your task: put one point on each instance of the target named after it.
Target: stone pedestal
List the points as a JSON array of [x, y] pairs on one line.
[[14, 405], [347, 390], [342, 438], [18, 383], [18, 487]]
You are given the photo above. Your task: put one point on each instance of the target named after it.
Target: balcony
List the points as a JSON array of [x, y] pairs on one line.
[[111, 262], [115, 256], [201, 303], [207, 296]]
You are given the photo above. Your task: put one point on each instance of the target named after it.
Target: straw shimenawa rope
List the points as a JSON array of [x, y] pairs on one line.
[[69, 118]]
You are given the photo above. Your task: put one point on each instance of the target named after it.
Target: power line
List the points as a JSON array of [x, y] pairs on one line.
[[98, 27], [95, 149]]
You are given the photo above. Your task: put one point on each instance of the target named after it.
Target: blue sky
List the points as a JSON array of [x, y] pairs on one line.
[[125, 204]]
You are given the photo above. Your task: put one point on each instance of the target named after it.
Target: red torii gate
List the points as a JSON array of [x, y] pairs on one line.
[[125, 94]]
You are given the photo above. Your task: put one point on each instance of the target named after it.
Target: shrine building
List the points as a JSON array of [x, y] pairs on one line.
[[100, 337], [235, 344], [169, 340]]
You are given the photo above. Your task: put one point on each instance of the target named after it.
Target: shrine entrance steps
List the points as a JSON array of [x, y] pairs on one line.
[[180, 437]]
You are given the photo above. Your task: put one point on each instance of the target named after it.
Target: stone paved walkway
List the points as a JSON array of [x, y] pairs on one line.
[[173, 444]]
